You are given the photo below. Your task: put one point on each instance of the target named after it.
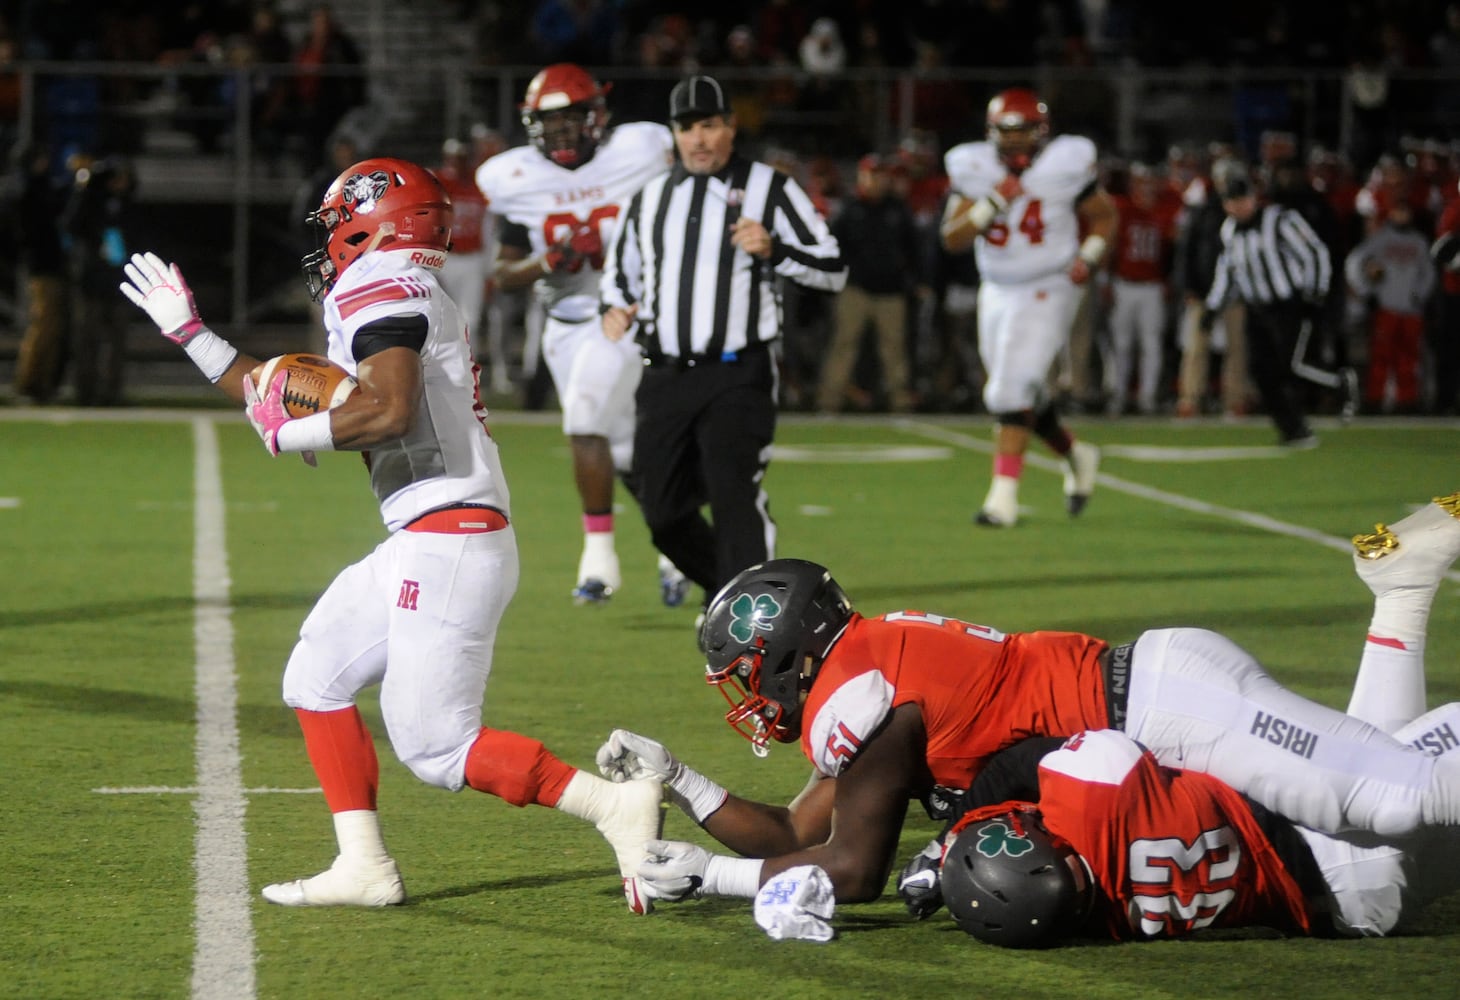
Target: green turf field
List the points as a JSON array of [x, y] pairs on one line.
[[151, 793]]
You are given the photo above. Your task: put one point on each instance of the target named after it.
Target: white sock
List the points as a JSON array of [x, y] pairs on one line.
[[1390, 688], [587, 797], [359, 837], [1003, 490], [1403, 613]]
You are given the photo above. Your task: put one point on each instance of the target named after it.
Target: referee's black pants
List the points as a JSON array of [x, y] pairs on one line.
[[703, 436], [1272, 340]]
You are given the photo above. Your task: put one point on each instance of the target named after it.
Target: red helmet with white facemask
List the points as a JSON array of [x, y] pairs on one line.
[[1018, 126], [565, 114], [378, 204]]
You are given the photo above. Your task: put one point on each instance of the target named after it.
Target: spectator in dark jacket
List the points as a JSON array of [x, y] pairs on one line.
[[35, 213], [96, 221], [1198, 245], [878, 237]]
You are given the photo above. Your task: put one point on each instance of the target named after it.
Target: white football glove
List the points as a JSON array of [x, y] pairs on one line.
[[160, 291], [627, 756], [674, 870]]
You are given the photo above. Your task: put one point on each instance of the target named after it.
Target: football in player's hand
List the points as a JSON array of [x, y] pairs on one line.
[[315, 382]]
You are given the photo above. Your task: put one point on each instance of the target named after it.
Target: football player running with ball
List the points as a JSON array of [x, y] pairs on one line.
[[556, 201], [418, 615], [1020, 199]]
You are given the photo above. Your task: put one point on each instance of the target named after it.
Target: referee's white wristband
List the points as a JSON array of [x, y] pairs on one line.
[[211, 353], [732, 876], [312, 433], [1092, 250]]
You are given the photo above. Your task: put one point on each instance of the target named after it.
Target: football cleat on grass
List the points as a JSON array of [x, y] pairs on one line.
[[673, 585], [1001, 506], [592, 592], [342, 884], [634, 819], [599, 577], [1083, 466]]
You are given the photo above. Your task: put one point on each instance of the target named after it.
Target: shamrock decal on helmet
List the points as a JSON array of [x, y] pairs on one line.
[[999, 838], [747, 614]]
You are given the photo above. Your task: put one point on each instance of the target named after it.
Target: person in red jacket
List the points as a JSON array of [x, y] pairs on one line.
[[1141, 268]]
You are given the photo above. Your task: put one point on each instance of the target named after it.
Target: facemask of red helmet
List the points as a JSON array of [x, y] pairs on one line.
[[565, 114], [377, 204], [1018, 126]]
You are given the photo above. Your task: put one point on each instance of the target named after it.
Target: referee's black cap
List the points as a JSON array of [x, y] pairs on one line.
[[697, 97]]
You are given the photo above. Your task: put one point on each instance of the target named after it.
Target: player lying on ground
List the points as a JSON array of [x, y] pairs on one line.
[[419, 614], [1109, 842], [889, 709], [1119, 846]]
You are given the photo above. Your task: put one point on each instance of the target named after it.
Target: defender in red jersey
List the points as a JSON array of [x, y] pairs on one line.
[[889, 709], [1166, 853]]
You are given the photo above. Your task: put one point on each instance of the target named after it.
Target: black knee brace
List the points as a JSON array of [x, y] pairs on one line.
[[1018, 418]]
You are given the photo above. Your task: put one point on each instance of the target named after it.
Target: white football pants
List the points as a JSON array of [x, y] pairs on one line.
[[1199, 701], [595, 379], [418, 616], [1021, 329]]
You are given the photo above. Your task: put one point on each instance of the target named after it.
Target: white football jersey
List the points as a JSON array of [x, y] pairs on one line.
[[1039, 233], [447, 457], [550, 202]]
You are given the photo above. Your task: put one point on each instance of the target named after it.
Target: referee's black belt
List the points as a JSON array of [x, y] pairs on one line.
[[678, 363]]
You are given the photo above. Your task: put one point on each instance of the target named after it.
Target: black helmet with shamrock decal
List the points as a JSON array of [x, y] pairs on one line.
[[764, 637], [1008, 881]]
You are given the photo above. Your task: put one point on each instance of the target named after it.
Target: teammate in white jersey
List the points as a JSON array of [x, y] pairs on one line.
[[556, 201], [419, 614], [1021, 199]]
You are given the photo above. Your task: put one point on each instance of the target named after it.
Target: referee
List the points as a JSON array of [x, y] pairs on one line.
[[694, 263], [1274, 262]]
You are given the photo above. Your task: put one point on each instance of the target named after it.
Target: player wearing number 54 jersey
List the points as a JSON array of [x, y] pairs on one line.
[[556, 201], [1020, 200]]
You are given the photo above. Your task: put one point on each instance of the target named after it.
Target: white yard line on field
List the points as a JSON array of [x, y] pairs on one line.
[[223, 953], [1252, 520]]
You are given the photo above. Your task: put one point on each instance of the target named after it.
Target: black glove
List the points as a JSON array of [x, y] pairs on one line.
[[945, 803], [920, 885]]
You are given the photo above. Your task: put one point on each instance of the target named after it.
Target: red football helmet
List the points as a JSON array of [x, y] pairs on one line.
[[377, 204], [565, 114], [1018, 124]]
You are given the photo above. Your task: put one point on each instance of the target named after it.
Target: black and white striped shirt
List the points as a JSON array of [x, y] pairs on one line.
[[699, 296], [1276, 257]]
